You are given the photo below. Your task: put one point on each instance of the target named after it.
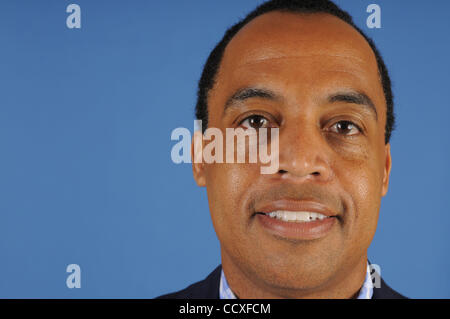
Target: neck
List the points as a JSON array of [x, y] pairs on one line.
[[345, 284]]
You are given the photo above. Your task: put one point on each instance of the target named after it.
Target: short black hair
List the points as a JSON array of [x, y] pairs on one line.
[[212, 64]]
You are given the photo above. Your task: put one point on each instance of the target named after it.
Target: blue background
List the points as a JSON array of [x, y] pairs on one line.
[[85, 170]]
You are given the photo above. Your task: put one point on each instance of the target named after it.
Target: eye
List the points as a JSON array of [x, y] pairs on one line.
[[346, 128], [255, 121]]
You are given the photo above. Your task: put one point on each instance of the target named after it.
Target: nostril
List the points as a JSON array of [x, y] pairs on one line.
[[282, 171]]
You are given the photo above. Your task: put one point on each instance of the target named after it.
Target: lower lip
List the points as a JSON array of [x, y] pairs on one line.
[[297, 230]]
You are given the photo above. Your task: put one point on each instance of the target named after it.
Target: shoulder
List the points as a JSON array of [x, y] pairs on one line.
[[386, 292], [207, 288]]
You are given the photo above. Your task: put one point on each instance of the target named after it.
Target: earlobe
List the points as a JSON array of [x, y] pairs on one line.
[[387, 169], [198, 167]]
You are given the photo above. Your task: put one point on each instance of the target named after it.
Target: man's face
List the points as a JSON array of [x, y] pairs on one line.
[[321, 88]]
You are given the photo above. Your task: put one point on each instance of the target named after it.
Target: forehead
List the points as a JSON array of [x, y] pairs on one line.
[[293, 47]]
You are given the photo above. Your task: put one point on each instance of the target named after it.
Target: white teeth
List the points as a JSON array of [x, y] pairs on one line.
[[289, 216]]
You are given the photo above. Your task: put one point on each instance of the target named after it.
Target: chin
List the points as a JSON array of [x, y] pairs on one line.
[[296, 274]]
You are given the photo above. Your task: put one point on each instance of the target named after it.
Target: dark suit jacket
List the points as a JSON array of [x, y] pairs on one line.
[[209, 289]]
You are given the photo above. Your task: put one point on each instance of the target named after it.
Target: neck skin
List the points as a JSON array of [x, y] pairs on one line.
[[346, 285]]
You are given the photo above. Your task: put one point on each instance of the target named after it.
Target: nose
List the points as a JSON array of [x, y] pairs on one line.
[[304, 154]]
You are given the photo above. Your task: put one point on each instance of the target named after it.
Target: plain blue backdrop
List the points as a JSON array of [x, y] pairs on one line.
[[85, 170]]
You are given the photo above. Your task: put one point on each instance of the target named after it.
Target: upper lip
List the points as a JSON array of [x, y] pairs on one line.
[[295, 206]]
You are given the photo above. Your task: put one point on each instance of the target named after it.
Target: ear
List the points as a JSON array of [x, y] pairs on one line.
[[387, 169], [198, 167]]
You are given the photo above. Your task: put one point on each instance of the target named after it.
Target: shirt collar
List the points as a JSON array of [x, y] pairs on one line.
[[366, 291]]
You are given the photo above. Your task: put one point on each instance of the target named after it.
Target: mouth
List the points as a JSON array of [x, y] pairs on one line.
[[296, 220], [295, 217]]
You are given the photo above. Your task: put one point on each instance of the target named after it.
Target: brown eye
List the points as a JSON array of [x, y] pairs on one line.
[[345, 128], [255, 121]]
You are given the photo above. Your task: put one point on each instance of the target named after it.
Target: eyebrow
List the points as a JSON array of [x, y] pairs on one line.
[[249, 93], [353, 97]]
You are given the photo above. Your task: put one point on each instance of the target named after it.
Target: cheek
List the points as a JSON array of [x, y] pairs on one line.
[[358, 170], [228, 186], [361, 181]]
